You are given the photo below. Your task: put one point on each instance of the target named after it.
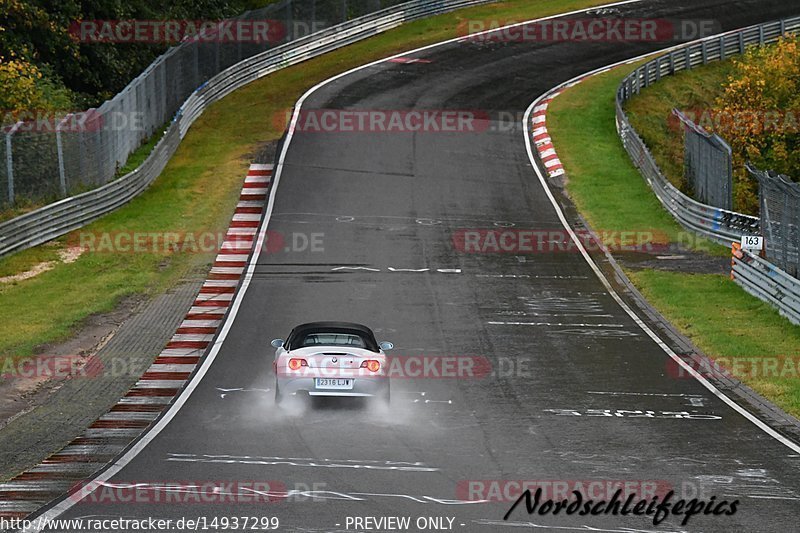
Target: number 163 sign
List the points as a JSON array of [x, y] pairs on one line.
[[752, 242]]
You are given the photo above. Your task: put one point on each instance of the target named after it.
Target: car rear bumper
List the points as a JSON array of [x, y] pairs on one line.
[[362, 387]]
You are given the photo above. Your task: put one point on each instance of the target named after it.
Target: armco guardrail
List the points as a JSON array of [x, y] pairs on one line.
[[767, 282], [68, 214], [719, 224]]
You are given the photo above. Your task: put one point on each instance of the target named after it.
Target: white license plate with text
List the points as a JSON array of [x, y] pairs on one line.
[[331, 383]]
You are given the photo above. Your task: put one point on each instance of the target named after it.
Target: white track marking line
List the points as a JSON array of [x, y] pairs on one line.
[[180, 401], [650, 333], [556, 324], [611, 393]]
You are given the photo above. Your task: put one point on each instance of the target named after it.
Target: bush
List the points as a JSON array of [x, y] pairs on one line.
[[758, 108], [26, 87]]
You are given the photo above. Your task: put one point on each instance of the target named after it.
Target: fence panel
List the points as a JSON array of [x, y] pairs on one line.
[[779, 201], [708, 165]]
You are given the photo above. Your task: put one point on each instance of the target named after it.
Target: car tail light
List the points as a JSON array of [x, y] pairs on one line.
[[372, 365], [295, 364]]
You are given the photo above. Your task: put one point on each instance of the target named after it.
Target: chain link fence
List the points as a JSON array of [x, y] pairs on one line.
[[779, 201], [43, 161], [707, 164]]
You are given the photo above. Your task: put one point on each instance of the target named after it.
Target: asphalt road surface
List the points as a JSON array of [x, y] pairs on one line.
[[578, 393]]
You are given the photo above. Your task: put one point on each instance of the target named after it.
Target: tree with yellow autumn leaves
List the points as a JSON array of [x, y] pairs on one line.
[[758, 114]]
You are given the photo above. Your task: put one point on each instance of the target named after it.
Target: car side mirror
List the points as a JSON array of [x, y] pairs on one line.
[[386, 345], [277, 343]]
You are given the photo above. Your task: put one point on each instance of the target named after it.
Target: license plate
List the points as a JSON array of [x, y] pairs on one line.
[[329, 383]]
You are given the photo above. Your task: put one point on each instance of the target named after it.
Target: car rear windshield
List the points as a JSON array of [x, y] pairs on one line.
[[331, 339]]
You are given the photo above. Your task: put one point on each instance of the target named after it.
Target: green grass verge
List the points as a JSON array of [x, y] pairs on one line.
[[715, 313], [727, 323], [198, 189]]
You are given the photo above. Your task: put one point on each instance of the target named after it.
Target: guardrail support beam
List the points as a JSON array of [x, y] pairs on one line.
[[10, 163]]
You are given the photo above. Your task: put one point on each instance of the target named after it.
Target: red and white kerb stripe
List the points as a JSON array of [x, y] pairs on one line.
[[544, 145]]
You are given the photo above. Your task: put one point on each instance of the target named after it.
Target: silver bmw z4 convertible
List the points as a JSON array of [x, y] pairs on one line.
[[331, 359]]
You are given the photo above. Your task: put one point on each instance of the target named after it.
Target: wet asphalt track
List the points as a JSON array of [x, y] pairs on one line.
[[395, 200]]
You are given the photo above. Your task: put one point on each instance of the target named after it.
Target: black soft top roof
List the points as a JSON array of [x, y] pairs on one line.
[[335, 327]]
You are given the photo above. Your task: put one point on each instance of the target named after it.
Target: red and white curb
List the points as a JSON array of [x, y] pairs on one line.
[[163, 380], [541, 138]]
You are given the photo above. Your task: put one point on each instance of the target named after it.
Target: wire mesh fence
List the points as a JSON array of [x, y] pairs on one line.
[[707, 163], [779, 201], [45, 160]]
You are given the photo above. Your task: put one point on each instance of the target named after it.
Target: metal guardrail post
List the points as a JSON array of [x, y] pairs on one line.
[[196, 65], [9, 170], [10, 162], [62, 176], [290, 20]]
